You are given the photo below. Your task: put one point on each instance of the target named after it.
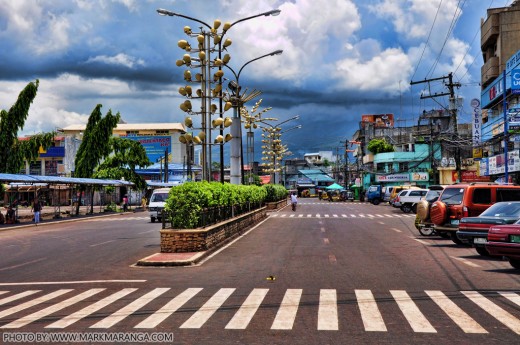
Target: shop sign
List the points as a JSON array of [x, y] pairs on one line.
[[477, 122], [515, 79], [393, 178], [484, 167], [477, 152], [420, 176], [470, 176]]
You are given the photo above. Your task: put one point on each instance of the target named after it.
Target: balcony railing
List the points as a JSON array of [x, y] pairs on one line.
[[490, 70]]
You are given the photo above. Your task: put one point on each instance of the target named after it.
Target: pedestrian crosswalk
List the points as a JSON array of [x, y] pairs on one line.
[[419, 311], [339, 215]]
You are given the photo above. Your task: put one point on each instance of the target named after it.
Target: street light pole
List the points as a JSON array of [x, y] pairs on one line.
[[238, 100]]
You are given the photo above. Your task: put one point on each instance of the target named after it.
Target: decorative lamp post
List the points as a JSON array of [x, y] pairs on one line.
[[273, 150], [210, 41], [238, 100]]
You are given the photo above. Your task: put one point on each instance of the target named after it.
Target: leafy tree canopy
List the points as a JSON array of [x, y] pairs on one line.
[[14, 152], [379, 146]]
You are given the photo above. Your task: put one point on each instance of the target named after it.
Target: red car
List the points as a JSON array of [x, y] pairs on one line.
[[504, 240]]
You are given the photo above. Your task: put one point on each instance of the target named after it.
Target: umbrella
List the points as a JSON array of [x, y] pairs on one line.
[[334, 186]]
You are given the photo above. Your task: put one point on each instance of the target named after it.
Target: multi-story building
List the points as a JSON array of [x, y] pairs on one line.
[[498, 143]]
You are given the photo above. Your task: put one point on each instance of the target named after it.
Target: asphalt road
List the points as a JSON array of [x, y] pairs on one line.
[[329, 273]]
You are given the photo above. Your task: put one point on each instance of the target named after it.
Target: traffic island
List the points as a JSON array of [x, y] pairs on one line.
[[180, 247]]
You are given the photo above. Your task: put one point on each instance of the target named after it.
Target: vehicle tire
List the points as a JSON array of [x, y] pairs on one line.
[[376, 202], [455, 239], [482, 251], [152, 219], [515, 263], [438, 213], [406, 208], [427, 230]]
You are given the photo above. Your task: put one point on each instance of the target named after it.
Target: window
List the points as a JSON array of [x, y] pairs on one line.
[[416, 193], [508, 194], [132, 132], [162, 131], [452, 196], [482, 196]]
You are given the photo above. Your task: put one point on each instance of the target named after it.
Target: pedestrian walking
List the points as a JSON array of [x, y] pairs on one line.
[[36, 208], [294, 201], [125, 203]]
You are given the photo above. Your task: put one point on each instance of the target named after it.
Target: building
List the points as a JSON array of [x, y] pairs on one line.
[[157, 139], [497, 114]]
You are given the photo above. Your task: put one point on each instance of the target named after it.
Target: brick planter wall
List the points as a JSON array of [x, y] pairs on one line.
[[276, 205], [197, 240]]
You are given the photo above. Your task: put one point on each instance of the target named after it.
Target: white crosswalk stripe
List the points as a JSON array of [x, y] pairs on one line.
[[335, 215], [329, 317], [500, 314], [122, 313]]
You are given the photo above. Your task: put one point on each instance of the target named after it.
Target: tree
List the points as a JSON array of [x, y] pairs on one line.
[[379, 146], [14, 152], [95, 145], [126, 155]]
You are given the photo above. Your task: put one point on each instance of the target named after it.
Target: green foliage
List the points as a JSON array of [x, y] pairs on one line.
[[13, 152], [379, 146], [275, 192], [187, 200], [95, 145], [126, 156]]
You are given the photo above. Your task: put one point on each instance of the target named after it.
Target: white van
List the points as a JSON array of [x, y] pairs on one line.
[[157, 202]]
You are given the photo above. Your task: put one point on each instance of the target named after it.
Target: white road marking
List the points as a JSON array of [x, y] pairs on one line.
[[247, 310], [513, 297], [353, 216], [382, 223], [32, 303], [73, 318], [466, 262], [52, 309], [372, 319], [396, 230], [22, 264], [75, 282], [328, 310], [145, 232], [420, 241], [463, 320], [17, 296], [101, 243], [129, 309], [208, 309], [168, 309], [326, 241], [494, 310], [411, 312], [287, 312]]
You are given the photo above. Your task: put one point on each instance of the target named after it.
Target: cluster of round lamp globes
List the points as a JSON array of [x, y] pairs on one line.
[[203, 61]]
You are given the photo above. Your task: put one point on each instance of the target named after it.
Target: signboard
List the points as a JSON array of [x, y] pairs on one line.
[[393, 178], [380, 120], [470, 176], [420, 176], [476, 122], [515, 79], [484, 171], [477, 152], [154, 145]]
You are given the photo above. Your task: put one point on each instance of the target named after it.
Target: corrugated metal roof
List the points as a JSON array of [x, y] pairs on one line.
[[30, 179]]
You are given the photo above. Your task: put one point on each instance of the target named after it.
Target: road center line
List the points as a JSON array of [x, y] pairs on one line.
[[98, 244], [24, 264], [467, 262], [420, 241], [396, 230]]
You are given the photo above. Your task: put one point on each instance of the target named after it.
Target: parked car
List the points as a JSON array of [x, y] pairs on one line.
[[474, 230], [157, 203], [375, 194], [504, 240], [347, 195], [423, 222], [398, 189], [467, 200], [396, 202], [409, 198]]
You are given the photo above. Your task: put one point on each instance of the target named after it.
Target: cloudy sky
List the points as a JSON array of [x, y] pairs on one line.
[[341, 59]]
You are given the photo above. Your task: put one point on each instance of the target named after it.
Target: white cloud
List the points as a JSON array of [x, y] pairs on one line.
[[381, 73], [119, 59]]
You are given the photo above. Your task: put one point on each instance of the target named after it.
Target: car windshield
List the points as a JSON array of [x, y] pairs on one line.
[[432, 195], [503, 209], [452, 196], [159, 197]]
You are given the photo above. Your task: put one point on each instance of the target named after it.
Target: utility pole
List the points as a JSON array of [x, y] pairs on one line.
[[452, 110]]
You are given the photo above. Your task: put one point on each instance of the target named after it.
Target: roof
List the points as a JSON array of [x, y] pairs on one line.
[[176, 126], [32, 179], [316, 175]]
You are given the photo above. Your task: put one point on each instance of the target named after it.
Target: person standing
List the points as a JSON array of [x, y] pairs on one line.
[[125, 203], [36, 208], [294, 201]]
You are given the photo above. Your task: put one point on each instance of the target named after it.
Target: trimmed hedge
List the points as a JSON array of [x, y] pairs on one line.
[[187, 201]]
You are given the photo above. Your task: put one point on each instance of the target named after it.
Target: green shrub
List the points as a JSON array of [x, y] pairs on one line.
[[275, 192]]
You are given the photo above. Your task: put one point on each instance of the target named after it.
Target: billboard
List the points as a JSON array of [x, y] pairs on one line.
[[379, 120], [154, 145]]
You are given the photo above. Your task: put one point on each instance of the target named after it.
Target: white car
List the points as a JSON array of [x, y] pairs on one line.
[[408, 198], [157, 202]]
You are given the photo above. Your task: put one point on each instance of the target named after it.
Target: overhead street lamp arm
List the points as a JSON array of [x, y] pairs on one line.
[[164, 12], [266, 14], [276, 52]]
